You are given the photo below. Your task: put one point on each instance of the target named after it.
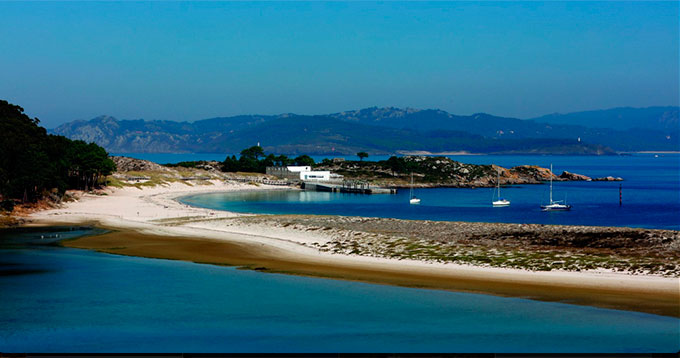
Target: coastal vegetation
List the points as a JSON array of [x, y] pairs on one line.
[[34, 164], [140, 174], [250, 161], [436, 171], [429, 171], [524, 246]]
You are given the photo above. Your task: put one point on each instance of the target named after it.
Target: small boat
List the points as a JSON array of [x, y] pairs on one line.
[[500, 202], [413, 199], [559, 205]]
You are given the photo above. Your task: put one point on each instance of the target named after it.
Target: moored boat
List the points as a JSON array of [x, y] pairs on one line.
[[559, 205], [413, 199], [500, 202]]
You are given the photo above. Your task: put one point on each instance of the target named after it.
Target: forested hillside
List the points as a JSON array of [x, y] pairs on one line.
[[33, 162]]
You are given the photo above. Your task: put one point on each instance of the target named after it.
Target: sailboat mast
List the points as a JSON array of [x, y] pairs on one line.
[[551, 175], [498, 183]]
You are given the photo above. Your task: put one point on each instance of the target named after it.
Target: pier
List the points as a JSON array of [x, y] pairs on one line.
[[347, 186], [258, 180]]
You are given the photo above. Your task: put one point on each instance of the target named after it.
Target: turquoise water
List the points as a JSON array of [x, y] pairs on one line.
[[68, 300], [651, 196]]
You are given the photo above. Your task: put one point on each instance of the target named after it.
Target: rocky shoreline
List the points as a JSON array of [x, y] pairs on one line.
[[428, 172], [442, 172]]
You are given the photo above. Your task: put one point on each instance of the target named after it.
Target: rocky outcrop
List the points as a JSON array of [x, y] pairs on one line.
[[532, 173], [443, 172], [211, 166], [126, 164], [574, 177], [609, 178], [207, 165]]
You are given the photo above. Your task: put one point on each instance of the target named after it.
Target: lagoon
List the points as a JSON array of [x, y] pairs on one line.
[[69, 300]]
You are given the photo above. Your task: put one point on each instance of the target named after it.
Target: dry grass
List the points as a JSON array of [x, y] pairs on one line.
[[533, 247]]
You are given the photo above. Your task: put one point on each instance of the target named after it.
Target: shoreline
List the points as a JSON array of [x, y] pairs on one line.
[[151, 222], [604, 291], [656, 152]]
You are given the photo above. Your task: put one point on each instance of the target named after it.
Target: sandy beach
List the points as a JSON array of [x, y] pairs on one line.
[[150, 222]]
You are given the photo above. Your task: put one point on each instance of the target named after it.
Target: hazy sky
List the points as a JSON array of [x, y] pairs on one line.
[[188, 61]]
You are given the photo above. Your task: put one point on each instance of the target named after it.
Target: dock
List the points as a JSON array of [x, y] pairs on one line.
[[283, 182], [346, 186]]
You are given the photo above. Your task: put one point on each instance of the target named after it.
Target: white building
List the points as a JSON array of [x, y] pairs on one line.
[[315, 175], [302, 173], [295, 169]]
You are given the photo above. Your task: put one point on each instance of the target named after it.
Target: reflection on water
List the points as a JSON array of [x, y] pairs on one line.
[[307, 196], [30, 237], [290, 196]]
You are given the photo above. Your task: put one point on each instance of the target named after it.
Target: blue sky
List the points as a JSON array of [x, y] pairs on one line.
[[188, 61]]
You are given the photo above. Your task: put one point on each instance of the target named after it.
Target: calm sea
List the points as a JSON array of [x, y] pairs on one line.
[[650, 192], [68, 300]]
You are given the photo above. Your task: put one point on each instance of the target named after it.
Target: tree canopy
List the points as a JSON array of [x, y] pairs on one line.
[[249, 161], [32, 161], [254, 152]]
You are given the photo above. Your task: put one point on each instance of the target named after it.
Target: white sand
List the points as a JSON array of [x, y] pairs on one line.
[[155, 211]]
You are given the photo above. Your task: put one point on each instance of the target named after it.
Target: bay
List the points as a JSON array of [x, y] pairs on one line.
[[650, 192]]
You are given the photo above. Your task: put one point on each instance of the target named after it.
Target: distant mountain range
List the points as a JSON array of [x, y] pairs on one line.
[[655, 118], [392, 130]]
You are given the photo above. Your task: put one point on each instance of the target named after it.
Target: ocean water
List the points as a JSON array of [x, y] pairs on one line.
[[68, 300], [650, 191]]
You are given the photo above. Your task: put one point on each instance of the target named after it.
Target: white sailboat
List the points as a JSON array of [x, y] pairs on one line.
[[413, 199], [559, 205], [500, 202]]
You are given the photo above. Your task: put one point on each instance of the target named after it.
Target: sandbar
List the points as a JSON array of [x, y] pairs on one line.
[[149, 222]]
